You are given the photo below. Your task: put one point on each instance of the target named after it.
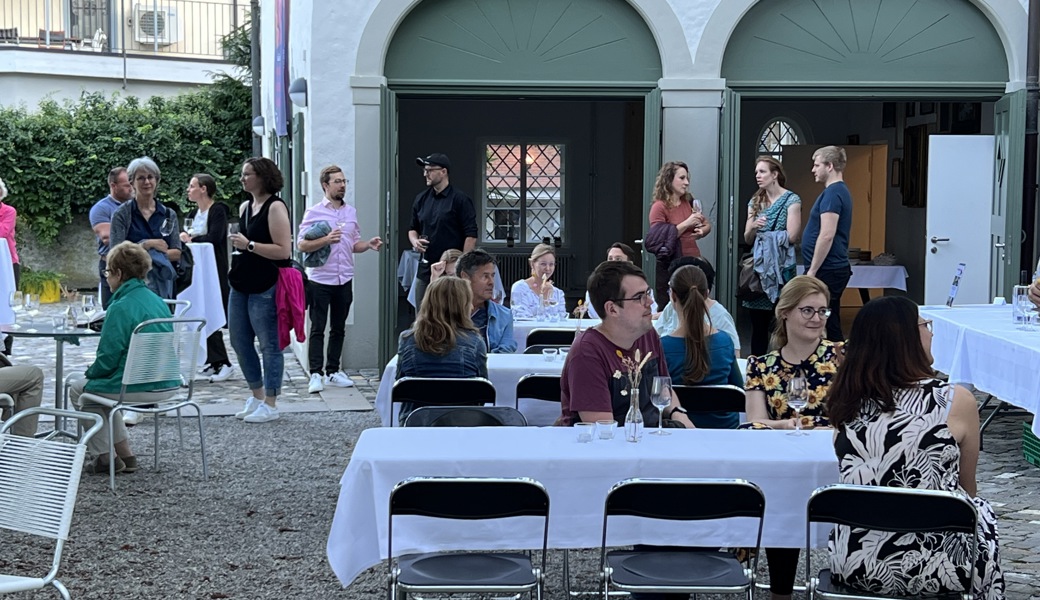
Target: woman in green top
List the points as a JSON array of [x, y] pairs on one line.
[[132, 303]]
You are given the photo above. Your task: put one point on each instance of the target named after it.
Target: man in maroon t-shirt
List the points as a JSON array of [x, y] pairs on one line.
[[593, 376]]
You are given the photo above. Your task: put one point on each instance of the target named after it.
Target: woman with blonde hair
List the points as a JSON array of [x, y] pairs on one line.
[[774, 218], [443, 341], [446, 265], [696, 352], [674, 205], [536, 295], [801, 348]]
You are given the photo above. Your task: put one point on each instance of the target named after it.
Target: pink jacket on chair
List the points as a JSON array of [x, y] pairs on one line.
[[291, 303]]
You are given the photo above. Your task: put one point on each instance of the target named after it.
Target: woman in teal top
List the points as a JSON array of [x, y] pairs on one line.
[[132, 303], [699, 355]]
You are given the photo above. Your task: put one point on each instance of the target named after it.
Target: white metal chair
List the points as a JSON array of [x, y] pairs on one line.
[[39, 481], [6, 406], [178, 307], [161, 351]]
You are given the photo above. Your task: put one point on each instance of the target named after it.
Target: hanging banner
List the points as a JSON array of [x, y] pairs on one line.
[[281, 67]]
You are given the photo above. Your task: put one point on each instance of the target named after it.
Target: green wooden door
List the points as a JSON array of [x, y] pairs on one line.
[[388, 208], [651, 164], [1009, 130], [729, 210]]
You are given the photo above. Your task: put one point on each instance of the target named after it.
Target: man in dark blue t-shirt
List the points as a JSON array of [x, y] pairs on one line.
[[825, 241]]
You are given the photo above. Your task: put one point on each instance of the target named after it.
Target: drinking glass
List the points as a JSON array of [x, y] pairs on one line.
[[89, 306], [167, 226], [550, 354], [189, 224], [585, 431], [1027, 310], [553, 303], [605, 429], [14, 299], [234, 228], [661, 396], [422, 255], [797, 398], [32, 307]]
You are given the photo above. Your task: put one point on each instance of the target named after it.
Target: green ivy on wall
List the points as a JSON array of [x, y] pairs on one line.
[[55, 160]]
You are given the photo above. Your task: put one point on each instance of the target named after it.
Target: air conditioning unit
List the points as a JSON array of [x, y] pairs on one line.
[[156, 25]]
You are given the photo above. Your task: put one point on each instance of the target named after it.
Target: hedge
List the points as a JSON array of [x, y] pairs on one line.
[[55, 160]]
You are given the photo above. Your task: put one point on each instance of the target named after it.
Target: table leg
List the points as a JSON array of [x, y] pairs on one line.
[[59, 389], [864, 295]]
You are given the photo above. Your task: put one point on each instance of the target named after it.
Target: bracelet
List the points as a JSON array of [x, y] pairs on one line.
[[678, 409]]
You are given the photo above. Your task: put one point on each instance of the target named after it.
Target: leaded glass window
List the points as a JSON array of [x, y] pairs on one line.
[[777, 134], [523, 192]]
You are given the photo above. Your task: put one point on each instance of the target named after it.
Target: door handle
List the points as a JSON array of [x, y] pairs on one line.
[[936, 240]]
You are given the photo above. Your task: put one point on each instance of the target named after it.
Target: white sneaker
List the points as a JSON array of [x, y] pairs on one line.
[[251, 405], [263, 414], [132, 418], [207, 370], [316, 384], [340, 379], [223, 374]]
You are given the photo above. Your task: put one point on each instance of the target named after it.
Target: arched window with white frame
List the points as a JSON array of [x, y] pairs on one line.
[[777, 133]]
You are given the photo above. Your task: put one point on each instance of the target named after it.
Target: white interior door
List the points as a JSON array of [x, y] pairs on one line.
[[960, 190]]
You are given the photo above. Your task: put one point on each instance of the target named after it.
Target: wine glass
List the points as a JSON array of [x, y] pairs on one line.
[[422, 255], [234, 228], [797, 398], [167, 226], [89, 306], [553, 303], [32, 306], [14, 299], [189, 224], [661, 397]]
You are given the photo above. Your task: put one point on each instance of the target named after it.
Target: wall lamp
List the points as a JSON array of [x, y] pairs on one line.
[[298, 92], [258, 126]]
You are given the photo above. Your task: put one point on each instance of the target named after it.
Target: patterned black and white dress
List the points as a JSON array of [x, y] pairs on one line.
[[911, 447]]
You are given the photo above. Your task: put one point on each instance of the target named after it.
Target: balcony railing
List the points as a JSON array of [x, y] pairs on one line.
[[173, 28]]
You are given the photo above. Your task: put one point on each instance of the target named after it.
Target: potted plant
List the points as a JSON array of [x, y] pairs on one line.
[[43, 282]]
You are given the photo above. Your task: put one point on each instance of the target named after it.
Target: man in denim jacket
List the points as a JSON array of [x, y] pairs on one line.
[[494, 321]]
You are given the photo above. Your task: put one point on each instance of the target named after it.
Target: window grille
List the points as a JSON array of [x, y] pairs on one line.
[[523, 193], [777, 134]]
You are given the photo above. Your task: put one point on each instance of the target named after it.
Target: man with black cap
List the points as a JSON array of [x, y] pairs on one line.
[[443, 218]]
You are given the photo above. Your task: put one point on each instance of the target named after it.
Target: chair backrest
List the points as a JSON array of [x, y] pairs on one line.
[[178, 307], [9, 35], [684, 500], [465, 416], [164, 350], [443, 391], [899, 510], [710, 398], [56, 37], [41, 480], [537, 348], [539, 387], [552, 337]]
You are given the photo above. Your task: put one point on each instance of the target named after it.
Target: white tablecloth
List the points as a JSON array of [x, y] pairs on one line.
[[522, 328], [6, 284], [204, 293], [874, 276], [978, 344], [577, 477], [504, 370]]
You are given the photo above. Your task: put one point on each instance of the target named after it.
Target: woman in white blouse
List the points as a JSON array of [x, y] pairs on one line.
[[525, 298]]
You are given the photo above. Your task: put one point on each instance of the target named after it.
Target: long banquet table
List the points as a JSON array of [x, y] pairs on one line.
[[577, 477], [978, 344], [504, 370], [523, 327]]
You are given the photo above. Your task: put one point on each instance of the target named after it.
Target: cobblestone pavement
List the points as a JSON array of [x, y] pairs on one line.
[[1004, 476]]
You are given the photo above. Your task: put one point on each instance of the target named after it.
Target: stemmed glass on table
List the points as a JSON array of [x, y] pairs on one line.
[[661, 397], [32, 307], [234, 228], [15, 302], [797, 398], [89, 306]]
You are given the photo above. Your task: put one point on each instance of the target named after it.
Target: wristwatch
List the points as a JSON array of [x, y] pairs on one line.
[[677, 409], [251, 245]]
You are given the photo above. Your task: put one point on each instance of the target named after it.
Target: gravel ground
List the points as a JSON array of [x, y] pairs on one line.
[[257, 528]]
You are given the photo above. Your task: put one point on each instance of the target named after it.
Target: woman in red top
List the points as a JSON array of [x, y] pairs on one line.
[[674, 204]]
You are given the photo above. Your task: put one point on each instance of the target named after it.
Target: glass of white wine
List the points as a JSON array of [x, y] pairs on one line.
[[89, 306], [797, 399], [32, 307], [189, 225], [14, 300]]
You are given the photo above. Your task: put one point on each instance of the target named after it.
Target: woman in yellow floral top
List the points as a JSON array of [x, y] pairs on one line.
[[801, 324]]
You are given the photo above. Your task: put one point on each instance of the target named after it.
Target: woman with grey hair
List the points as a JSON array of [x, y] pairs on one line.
[[8, 217], [148, 222]]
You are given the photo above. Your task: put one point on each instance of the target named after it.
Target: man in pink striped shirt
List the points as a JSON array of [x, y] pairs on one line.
[[331, 284]]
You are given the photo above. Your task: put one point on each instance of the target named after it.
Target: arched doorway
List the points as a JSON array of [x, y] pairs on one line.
[[572, 88]]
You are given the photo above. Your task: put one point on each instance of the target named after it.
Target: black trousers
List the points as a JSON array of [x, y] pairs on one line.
[[326, 299], [761, 327], [216, 351], [836, 281]]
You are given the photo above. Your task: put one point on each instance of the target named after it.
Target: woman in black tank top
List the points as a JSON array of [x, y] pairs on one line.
[[265, 244]]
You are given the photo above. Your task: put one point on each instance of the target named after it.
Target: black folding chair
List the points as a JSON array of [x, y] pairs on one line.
[[681, 571], [537, 348], [888, 509], [465, 416], [539, 387], [710, 398], [442, 391], [467, 499], [551, 337]]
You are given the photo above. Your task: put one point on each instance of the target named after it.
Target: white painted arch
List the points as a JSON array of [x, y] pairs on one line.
[[388, 15], [1007, 16]]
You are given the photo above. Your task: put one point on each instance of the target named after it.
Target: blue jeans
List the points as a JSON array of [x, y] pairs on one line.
[[255, 316]]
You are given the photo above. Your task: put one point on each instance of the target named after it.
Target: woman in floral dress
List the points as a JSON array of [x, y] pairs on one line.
[[899, 426], [801, 324]]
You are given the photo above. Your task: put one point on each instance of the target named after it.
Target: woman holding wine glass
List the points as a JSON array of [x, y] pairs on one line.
[[536, 295], [264, 243], [148, 222], [208, 225], [801, 347]]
